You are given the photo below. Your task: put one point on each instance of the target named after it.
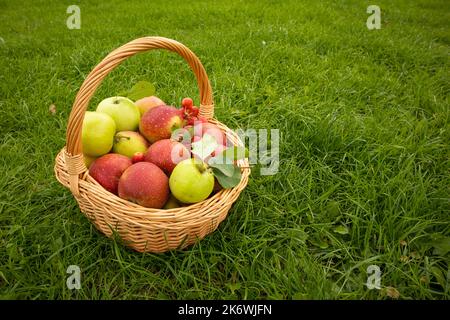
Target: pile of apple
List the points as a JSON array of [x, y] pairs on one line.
[[155, 155]]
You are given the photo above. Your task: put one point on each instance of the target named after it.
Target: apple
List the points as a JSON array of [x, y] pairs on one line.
[[145, 184], [108, 169], [201, 128], [183, 136], [159, 122], [219, 149], [124, 112], [138, 157], [147, 103], [166, 154], [128, 143], [191, 181], [172, 203], [88, 160], [97, 133]]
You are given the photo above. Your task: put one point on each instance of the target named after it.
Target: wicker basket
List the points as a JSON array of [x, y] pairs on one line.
[[143, 229]]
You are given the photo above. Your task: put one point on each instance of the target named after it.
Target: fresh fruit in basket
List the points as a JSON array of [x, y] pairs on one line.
[[187, 103], [191, 181], [148, 173], [97, 133], [200, 129], [108, 169], [145, 184], [147, 103], [88, 160], [190, 112], [138, 157], [172, 203], [218, 150], [159, 122], [166, 154], [128, 143], [124, 112]]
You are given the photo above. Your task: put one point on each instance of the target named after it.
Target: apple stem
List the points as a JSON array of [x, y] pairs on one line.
[[118, 137], [200, 167]]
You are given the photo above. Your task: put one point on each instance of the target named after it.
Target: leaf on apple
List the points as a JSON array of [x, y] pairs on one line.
[[226, 168], [141, 90], [204, 147], [228, 181], [230, 155]]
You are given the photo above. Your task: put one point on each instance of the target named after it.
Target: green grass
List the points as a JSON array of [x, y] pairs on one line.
[[364, 122]]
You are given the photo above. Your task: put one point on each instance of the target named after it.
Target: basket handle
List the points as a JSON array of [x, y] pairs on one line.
[[73, 154]]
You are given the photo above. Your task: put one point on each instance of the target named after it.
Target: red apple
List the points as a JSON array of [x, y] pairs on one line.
[[183, 136], [145, 184], [201, 128], [137, 157], [219, 149], [159, 122], [147, 103], [166, 154], [108, 169]]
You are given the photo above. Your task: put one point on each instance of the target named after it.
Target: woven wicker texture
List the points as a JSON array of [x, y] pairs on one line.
[[143, 229]]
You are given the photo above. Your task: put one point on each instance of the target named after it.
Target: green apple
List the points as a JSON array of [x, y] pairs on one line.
[[172, 203], [128, 143], [88, 160], [124, 112], [191, 181], [97, 133]]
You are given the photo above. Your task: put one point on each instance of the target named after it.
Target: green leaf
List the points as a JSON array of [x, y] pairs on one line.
[[341, 230], [226, 181], [230, 155], [141, 90], [226, 169], [205, 146]]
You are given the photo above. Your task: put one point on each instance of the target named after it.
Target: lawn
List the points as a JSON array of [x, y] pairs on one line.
[[364, 152]]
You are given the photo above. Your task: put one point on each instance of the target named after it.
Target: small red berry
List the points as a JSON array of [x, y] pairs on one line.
[[187, 103], [195, 111], [191, 121]]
